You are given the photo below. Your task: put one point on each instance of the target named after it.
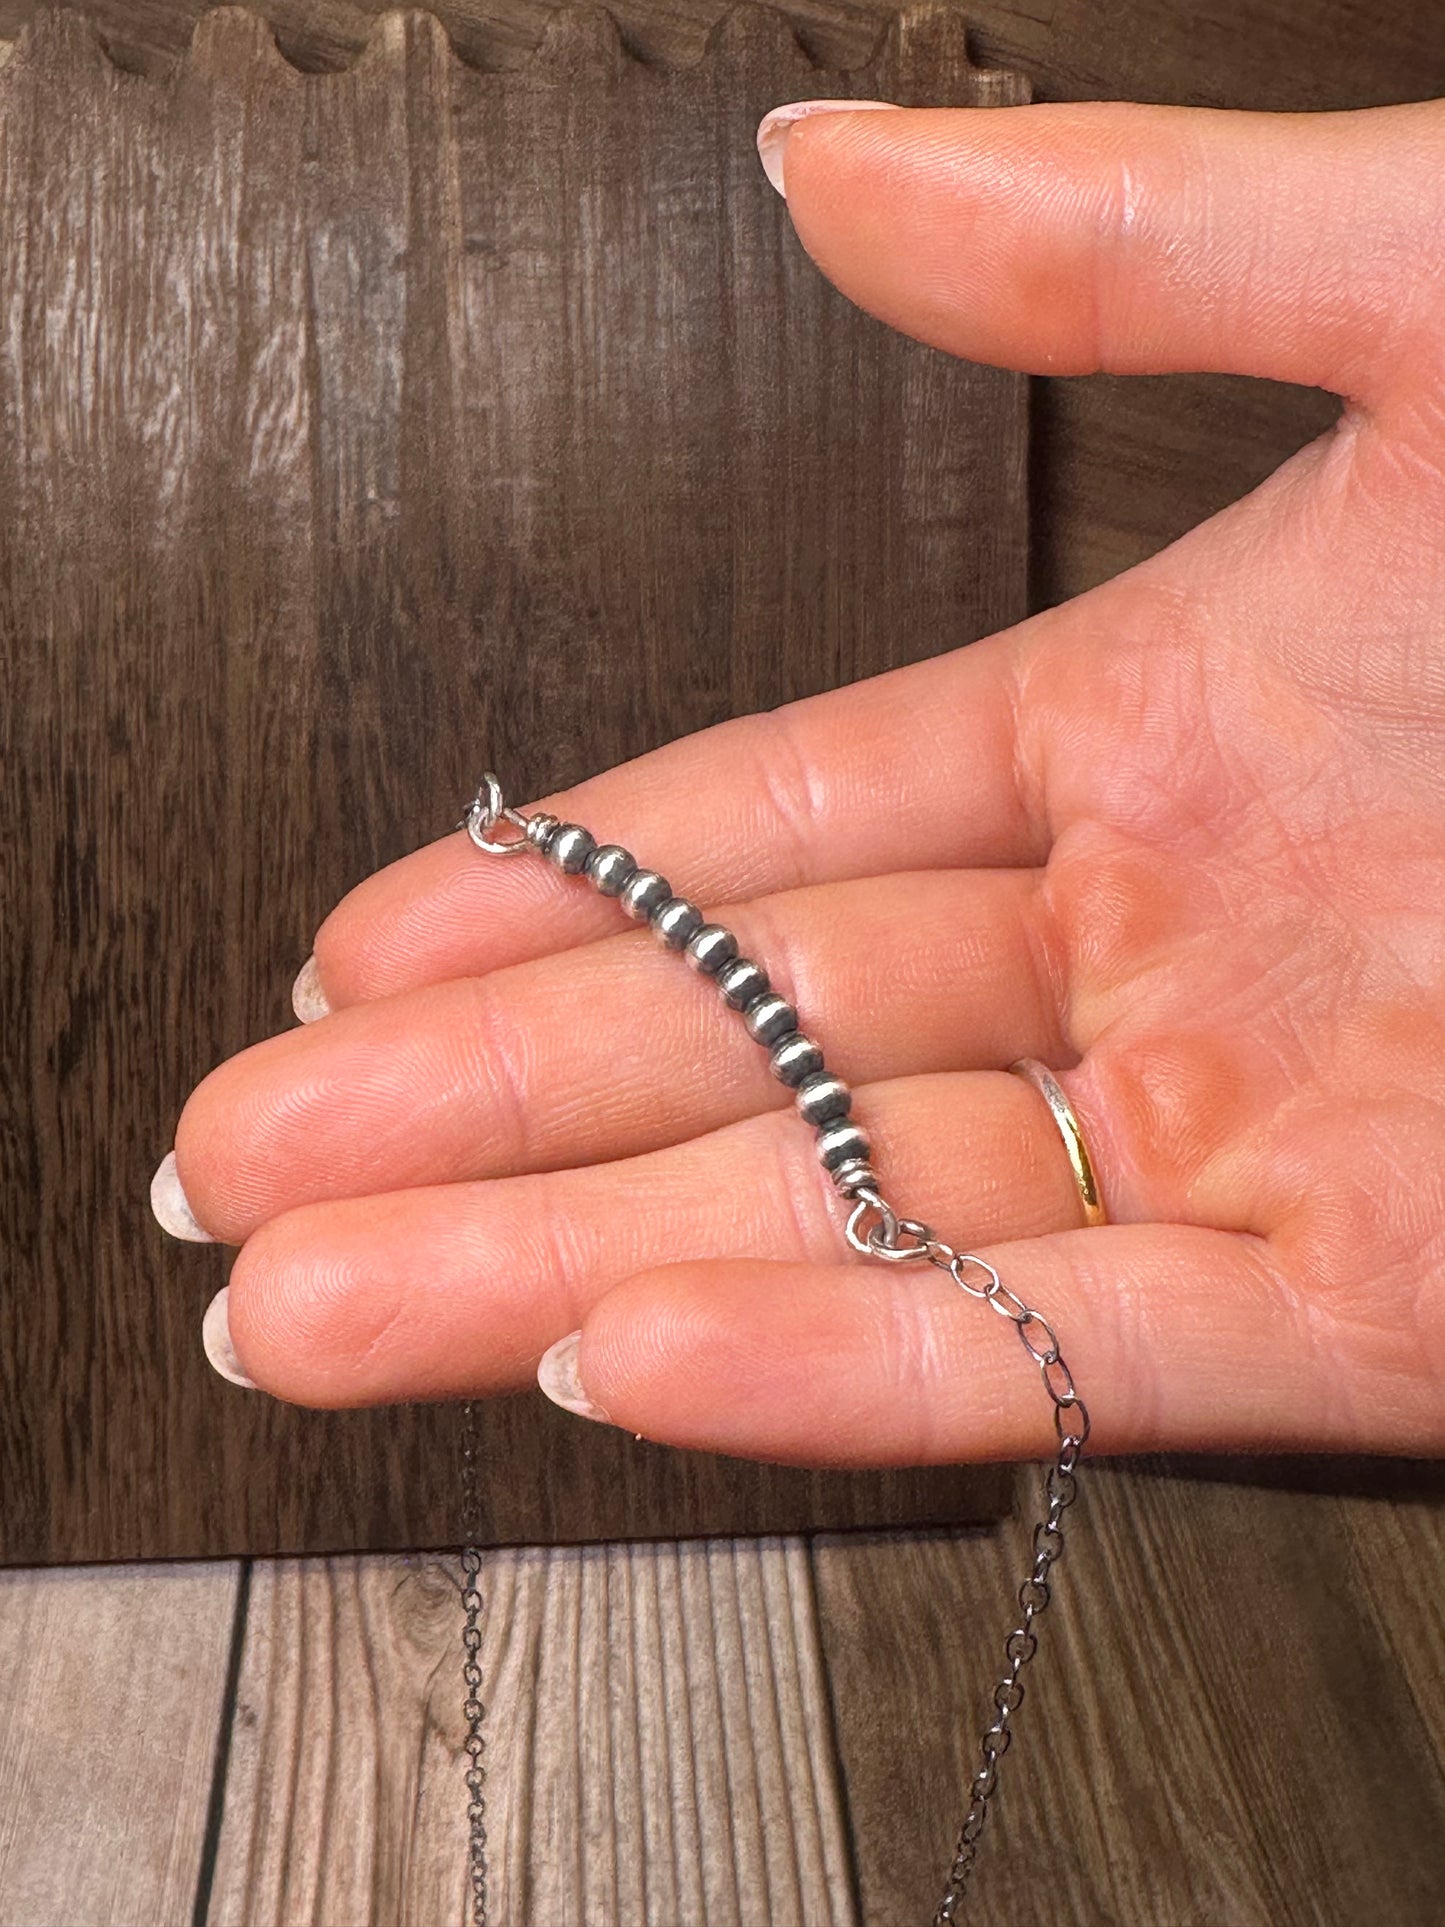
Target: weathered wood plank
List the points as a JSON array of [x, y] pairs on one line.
[[112, 1682], [1235, 1713], [659, 1749], [348, 423], [661, 1745]]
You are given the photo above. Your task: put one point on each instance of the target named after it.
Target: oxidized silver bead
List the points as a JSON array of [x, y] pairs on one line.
[[794, 1058], [611, 867], [540, 829], [741, 983], [770, 1018], [855, 1175], [569, 848], [824, 1099], [710, 948], [644, 894], [842, 1144], [677, 922]]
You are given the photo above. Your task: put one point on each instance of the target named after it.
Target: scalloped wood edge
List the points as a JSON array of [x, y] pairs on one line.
[[579, 37]]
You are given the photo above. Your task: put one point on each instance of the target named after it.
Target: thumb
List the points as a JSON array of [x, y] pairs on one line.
[[1072, 239]]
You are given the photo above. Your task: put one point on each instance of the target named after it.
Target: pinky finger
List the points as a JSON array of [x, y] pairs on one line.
[[1176, 1339]]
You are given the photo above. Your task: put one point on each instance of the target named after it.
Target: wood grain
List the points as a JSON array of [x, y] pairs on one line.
[[659, 1747], [1125, 465], [112, 1683], [1119, 468], [1237, 1715], [1236, 1719], [1274, 55], [347, 425]]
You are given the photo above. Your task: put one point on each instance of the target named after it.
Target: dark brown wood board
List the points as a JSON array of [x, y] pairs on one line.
[[1285, 56], [355, 430], [1118, 468]]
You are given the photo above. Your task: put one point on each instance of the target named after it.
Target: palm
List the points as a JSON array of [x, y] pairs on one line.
[[1182, 838], [1245, 894]]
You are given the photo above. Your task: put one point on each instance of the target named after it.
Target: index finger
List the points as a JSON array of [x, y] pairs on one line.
[[916, 768]]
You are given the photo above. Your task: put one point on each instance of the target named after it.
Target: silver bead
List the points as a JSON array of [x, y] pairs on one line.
[[742, 982], [794, 1058], [570, 847], [644, 894], [610, 868], [770, 1018], [823, 1099], [710, 948], [540, 829], [842, 1144], [855, 1175], [677, 922]]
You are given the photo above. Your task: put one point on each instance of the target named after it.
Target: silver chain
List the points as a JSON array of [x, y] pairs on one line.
[[874, 1230], [896, 1240], [473, 1711]]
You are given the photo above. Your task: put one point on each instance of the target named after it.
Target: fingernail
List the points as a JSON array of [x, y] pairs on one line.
[[308, 999], [216, 1337], [172, 1207], [774, 128], [558, 1377]]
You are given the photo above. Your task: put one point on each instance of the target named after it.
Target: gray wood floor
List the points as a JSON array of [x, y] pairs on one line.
[[1238, 1719]]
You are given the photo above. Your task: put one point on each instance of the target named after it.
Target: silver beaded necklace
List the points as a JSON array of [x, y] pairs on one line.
[[874, 1229]]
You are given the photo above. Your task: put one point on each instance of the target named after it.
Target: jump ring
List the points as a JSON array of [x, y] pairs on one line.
[[891, 1252], [489, 808], [862, 1242]]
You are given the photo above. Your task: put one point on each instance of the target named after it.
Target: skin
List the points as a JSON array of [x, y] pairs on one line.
[[1183, 838]]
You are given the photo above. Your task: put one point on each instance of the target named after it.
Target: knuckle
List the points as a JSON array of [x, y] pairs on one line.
[[790, 788], [499, 1071]]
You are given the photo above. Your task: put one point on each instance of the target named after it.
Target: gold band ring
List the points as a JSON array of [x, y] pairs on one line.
[[1070, 1130]]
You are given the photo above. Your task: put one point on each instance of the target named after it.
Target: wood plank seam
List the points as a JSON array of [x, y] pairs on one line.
[[216, 1792]]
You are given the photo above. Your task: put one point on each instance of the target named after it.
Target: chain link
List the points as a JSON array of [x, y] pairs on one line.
[[473, 1711], [876, 1230]]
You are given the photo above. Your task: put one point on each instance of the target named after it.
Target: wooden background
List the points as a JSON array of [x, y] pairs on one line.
[[357, 432], [1236, 1719]]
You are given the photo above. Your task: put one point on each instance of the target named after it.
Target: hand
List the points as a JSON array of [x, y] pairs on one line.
[[1185, 835]]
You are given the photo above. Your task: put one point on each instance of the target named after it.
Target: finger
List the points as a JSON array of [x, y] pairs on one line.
[[1068, 239], [912, 770], [449, 1290], [1177, 1338], [615, 1049]]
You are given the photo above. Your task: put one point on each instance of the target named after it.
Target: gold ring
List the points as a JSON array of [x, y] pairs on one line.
[[1070, 1130]]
